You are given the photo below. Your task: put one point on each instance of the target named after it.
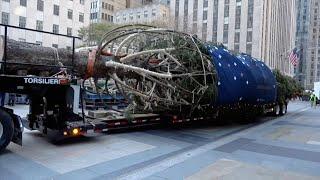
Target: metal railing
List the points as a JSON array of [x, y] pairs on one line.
[[5, 55]]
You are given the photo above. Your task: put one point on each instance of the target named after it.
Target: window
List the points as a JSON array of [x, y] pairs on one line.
[[40, 5], [195, 15], [205, 3], [22, 21], [176, 13], [55, 45], [250, 13], [177, 8], [70, 14], [55, 28], [145, 14], [238, 2], [56, 10], [5, 18], [153, 12], [102, 15], [237, 48], [215, 21], [226, 11], [22, 40], [94, 15], [195, 10], [6, 0], [237, 37], [214, 36], [81, 17], [225, 37], [82, 2], [69, 31], [238, 17], [130, 16], [23, 3], [205, 15], [39, 25], [226, 27], [250, 21], [194, 28], [204, 31], [94, 5], [249, 36], [249, 49], [138, 15], [226, 20]]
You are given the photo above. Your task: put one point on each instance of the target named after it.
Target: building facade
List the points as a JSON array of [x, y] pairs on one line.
[[264, 29], [134, 3], [102, 11], [146, 2], [308, 42], [57, 16], [152, 13]]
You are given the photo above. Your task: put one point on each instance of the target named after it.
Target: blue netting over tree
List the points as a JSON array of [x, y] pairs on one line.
[[242, 79]]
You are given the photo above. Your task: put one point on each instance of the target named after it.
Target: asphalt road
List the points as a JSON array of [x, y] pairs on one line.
[[287, 147]]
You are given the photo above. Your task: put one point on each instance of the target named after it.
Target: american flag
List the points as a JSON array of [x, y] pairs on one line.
[[294, 57]]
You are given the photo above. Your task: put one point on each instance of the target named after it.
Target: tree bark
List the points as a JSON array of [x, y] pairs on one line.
[[44, 61]]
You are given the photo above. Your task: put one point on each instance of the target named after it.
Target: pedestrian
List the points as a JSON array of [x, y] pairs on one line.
[[313, 100], [2, 98], [12, 99]]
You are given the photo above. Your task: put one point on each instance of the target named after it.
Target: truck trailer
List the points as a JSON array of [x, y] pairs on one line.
[[168, 86]]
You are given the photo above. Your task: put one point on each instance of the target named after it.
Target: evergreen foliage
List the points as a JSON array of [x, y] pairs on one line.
[[287, 87]]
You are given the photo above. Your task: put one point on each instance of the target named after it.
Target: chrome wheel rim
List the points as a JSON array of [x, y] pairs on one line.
[[278, 109], [284, 109], [1, 129]]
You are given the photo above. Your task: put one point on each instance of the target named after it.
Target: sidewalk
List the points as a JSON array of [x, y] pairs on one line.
[[285, 148]]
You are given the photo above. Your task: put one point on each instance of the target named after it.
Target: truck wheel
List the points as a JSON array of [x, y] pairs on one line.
[[276, 110], [6, 130], [283, 110]]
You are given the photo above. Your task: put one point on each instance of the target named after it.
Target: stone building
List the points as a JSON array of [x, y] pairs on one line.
[[308, 42], [102, 11], [264, 29], [58, 16], [144, 14]]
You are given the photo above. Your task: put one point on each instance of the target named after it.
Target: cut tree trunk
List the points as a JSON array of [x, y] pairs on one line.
[[43, 61]]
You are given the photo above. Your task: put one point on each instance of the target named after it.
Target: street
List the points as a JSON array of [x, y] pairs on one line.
[[286, 147]]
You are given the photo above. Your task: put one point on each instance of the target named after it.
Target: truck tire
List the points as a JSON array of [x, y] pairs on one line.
[[276, 110], [6, 129], [283, 110]]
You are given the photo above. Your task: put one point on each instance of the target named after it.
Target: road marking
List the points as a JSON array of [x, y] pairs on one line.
[[169, 162], [313, 142]]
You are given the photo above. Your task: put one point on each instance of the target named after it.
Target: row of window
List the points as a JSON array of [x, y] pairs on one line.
[[40, 3], [215, 16], [138, 15], [107, 17], [39, 43], [39, 24], [56, 11], [5, 16], [107, 6]]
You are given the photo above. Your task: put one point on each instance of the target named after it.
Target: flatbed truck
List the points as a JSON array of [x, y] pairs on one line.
[[56, 107]]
